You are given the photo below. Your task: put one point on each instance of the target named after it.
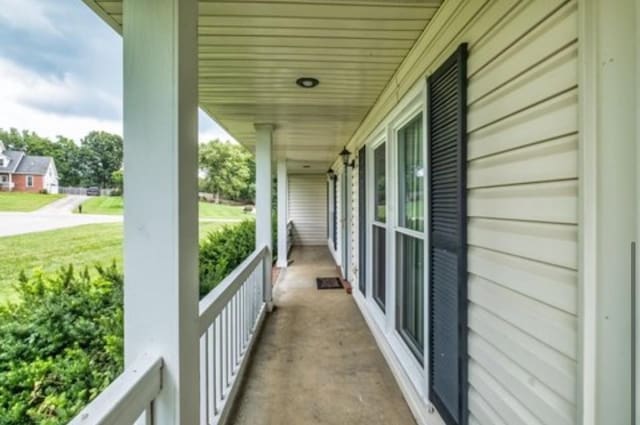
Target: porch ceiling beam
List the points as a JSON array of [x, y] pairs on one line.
[[161, 225]]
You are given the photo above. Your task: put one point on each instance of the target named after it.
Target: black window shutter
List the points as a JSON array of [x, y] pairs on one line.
[[447, 130], [362, 219]]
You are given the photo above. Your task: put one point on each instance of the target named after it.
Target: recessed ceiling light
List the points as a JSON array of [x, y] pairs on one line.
[[307, 82]]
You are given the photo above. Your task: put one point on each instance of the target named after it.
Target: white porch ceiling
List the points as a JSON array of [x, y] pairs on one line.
[[252, 51]]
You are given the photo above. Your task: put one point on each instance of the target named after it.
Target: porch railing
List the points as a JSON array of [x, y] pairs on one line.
[[230, 317], [128, 398]]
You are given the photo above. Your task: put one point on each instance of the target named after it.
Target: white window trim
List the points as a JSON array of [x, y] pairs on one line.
[[380, 139], [417, 372], [30, 181], [412, 105]]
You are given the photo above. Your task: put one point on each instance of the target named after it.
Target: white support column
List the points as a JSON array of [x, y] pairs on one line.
[[283, 213], [161, 217], [264, 134], [608, 220]]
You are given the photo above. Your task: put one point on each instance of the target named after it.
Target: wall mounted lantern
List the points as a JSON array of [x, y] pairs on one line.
[[345, 154]]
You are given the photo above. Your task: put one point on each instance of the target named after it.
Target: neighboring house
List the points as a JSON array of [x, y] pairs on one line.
[[20, 172], [485, 208]]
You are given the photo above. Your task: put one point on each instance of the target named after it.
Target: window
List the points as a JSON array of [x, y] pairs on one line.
[[379, 266], [379, 177], [29, 181], [411, 176], [379, 260], [410, 237], [4, 179], [410, 265]]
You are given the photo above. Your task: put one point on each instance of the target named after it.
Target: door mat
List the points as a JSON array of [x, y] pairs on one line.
[[329, 283]]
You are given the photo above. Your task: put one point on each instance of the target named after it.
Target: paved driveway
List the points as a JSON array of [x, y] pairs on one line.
[[56, 215], [65, 205], [19, 223]]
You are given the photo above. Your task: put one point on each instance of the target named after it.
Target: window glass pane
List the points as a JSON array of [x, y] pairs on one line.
[[379, 266], [380, 183], [411, 292], [411, 175]]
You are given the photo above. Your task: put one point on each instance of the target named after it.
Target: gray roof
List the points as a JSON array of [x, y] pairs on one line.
[[14, 160], [34, 165]]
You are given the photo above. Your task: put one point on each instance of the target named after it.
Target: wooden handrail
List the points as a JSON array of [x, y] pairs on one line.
[[127, 398]]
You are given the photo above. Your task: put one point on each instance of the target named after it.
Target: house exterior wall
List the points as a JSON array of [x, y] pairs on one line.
[[20, 181], [307, 209], [522, 204], [50, 180]]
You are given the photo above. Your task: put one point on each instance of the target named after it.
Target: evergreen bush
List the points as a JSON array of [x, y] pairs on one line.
[[61, 341]]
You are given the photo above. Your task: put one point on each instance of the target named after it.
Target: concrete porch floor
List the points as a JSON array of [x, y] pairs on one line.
[[316, 361]]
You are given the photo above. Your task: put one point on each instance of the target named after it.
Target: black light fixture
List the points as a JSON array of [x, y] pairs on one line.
[[307, 82], [345, 154], [330, 173]]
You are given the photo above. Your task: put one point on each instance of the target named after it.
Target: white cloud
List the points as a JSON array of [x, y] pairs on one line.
[[38, 102], [30, 15], [21, 88]]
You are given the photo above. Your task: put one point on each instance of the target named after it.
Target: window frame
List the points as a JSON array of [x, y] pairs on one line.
[[29, 181], [380, 142], [412, 113], [412, 103]]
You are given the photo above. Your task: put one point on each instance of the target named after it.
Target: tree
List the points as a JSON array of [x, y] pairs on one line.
[[101, 155], [118, 180], [227, 169]]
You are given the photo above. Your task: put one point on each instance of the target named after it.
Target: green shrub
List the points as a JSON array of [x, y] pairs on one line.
[[60, 345], [222, 251]]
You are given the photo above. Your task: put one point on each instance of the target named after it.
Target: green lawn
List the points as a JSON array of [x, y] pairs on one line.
[[113, 205], [82, 246], [25, 202]]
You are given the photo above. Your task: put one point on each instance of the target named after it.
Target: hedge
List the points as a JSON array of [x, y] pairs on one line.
[[61, 342], [60, 345]]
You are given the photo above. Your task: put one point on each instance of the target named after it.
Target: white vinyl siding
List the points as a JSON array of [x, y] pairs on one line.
[[308, 208], [522, 199], [522, 208]]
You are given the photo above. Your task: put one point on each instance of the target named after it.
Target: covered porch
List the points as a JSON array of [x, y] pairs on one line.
[[448, 159], [316, 360]]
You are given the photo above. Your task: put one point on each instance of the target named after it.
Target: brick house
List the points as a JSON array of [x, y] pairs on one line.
[[20, 172]]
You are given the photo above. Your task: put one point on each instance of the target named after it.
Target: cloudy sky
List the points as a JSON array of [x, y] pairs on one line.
[[61, 71]]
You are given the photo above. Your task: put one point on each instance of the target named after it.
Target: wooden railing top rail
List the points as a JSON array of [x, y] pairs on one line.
[[130, 395], [213, 303]]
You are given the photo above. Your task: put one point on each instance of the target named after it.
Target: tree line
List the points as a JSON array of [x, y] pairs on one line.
[[227, 169]]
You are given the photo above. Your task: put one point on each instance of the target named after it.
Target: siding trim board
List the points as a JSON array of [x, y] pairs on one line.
[[362, 220]]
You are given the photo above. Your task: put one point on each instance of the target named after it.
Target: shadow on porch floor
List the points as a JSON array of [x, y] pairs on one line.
[[316, 361]]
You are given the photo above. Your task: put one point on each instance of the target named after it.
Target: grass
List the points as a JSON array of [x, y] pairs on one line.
[[108, 205], [114, 205], [25, 202], [82, 246]]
